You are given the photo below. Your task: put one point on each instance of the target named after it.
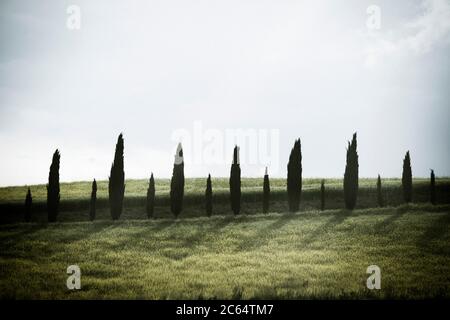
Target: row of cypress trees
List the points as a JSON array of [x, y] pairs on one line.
[[116, 185]]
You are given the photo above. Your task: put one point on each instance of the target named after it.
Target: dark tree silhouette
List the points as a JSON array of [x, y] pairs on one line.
[[235, 183], [116, 185], [53, 188], [407, 178], [28, 204], [177, 183], [266, 193], [208, 196], [151, 197], [380, 199], [294, 177], [92, 207], [351, 175], [432, 187], [322, 195]]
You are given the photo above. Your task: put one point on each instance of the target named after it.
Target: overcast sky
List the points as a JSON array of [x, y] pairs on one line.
[[206, 68]]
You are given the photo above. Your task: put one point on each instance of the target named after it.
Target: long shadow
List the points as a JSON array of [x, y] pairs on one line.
[[202, 232], [27, 232], [386, 223], [281, 221], [438, 230], [22, 232], [198, 235], [335, 220], [263, 236], [137, 236], [88, 232]]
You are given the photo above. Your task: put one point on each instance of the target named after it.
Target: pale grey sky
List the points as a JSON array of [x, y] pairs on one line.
[[288, 69]]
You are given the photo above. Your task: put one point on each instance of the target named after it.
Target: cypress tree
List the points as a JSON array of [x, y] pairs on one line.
[[151, 197], [351, 175], [208, 196], [235, 183], [266, 193], [380, 199], [53, 188], [92, 207], [177, 183], [116, 185], [322, 195], [432, 188], [407, 178], [294, 177], [28, 204]]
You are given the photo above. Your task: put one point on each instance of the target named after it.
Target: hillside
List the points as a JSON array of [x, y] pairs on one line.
[[308, 255]]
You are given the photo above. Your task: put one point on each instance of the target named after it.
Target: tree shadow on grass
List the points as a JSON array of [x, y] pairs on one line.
[[264, 235], [197, 235], [430, 239], [90, 231], [336, 219], [280, 222], [23, 231], [389, 221], [47, 242], [62, 235], [203, 232]]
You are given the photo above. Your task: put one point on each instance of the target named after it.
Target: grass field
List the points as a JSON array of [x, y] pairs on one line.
[[309, 254]]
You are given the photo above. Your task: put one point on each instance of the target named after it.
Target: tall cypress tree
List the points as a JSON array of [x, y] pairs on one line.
[[407, 178], [294, 177], [351, 175], [432, 187], [380, 199], [322, 195], [28, 204], [151, 197], [92, 207], [53, 188], [177, 183], [266, 193], [235, 183], [208, 196], [116, 185]]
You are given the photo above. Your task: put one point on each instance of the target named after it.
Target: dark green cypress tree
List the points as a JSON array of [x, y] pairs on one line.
[[177, 183], [322, 195], [28, 204], [380, 199], [351, 175], [116, 185], [92, 207], [53, 188], [294, 177], [266, 193], [208, 196], [151, 197], [432, 187], [407, 178], [235, 183]]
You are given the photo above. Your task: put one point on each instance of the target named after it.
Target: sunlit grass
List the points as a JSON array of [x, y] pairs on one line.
[[306, 255]]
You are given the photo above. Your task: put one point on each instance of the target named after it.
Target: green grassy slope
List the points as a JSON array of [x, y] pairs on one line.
[[306, 255]]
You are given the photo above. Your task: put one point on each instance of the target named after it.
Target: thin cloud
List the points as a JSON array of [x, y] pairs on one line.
[[418, 37]]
